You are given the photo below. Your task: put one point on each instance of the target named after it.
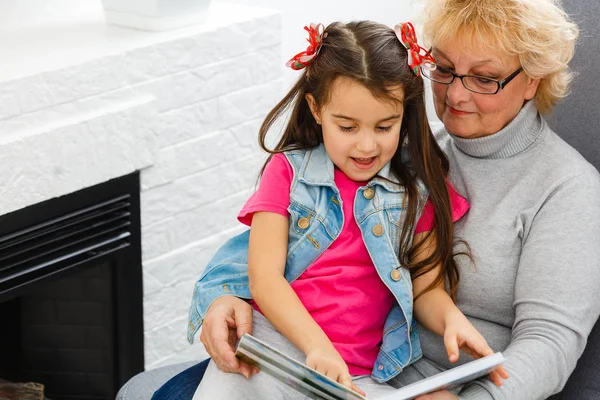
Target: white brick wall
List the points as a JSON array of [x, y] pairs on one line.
[[185, 109]]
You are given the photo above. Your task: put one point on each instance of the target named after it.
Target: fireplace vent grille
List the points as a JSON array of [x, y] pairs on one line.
[[65, 241]]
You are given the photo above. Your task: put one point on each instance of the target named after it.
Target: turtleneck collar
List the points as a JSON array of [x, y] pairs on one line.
[[515, 137]]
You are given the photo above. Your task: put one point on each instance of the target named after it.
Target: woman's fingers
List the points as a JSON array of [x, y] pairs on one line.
[[222, 353], [215, 337], [242, 314], [225, 319], [247, 370]]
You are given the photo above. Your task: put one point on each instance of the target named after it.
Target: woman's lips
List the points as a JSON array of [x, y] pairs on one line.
[[364, 163], [454, 111]]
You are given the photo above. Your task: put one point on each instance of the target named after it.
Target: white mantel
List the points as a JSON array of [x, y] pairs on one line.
[[82, 102]]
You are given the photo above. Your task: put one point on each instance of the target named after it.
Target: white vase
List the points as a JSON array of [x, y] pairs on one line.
[[155, 15]]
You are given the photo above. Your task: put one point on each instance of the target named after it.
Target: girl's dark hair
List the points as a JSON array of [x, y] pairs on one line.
[[371, 54]]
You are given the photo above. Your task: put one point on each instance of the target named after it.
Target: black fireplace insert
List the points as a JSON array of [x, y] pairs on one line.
[[71, 313]]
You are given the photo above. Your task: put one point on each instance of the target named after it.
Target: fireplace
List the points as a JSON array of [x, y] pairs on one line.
[[71, 292]]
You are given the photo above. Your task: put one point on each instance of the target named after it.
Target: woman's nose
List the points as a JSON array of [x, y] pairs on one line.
[[457, 92]]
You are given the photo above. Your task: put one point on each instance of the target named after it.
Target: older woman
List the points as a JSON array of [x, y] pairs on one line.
[[534, 222]]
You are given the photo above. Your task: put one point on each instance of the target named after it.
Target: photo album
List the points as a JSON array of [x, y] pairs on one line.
[[318, 386]]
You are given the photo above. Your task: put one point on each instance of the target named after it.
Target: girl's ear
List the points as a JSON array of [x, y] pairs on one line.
[[312, 104]]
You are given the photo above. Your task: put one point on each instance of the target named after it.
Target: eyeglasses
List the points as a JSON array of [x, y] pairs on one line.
[[474, 83]]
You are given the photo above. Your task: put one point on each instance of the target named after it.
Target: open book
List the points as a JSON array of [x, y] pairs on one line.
[[318, 386]]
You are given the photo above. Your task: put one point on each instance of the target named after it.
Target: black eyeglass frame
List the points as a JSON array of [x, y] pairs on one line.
[[500, 83]]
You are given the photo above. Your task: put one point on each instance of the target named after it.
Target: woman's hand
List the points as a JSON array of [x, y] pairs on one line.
[[461, 334], [326, 360], [226, 320]]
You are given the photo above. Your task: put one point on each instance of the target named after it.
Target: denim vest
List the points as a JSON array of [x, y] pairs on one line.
[[316, 219]]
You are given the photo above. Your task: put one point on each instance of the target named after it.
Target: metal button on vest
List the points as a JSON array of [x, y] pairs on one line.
[[303, 223], [377, 230], [396, 275], [369, 193]]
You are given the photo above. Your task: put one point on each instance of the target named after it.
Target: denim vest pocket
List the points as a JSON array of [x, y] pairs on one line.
[[301, 219], [308, 239], [302, 225]]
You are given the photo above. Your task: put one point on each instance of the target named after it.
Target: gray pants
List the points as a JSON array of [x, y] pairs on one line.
[[220, 385]]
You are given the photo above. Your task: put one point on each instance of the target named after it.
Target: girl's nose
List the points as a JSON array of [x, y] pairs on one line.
[[366, 142]]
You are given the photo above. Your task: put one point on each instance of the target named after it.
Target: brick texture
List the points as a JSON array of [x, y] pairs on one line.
[[185, 110]]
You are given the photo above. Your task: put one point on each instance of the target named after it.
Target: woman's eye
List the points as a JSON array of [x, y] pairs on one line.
[[443, 70], [346, 128], [384, 128], [484, 81]]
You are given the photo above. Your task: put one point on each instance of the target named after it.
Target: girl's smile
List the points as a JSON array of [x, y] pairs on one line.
[[365, 163]]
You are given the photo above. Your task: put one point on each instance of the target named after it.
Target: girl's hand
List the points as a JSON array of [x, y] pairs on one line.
[[461, 334], [326, 360]]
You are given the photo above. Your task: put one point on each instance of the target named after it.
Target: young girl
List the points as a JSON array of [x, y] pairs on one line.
[[352, 216]]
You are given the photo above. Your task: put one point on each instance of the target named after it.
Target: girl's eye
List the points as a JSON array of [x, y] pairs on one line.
[[384, 128], [346, 128]]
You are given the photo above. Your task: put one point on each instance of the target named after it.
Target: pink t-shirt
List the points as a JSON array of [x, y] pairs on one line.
[[341, 290]]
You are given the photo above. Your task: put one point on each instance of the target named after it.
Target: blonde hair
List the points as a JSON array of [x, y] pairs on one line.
[[539, 31]]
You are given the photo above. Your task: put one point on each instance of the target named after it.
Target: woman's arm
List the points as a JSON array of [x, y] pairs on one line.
[[556, 294], [279, 303]]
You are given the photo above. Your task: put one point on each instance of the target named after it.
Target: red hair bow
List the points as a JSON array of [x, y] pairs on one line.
[[417, 55], [315, 40]]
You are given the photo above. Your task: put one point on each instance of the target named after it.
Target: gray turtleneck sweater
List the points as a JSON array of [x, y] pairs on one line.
[[534, 231]]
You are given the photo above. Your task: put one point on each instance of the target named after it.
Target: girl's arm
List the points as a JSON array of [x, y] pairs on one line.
[[279, 303], [436, 311], [277, 300], [434, 307]]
